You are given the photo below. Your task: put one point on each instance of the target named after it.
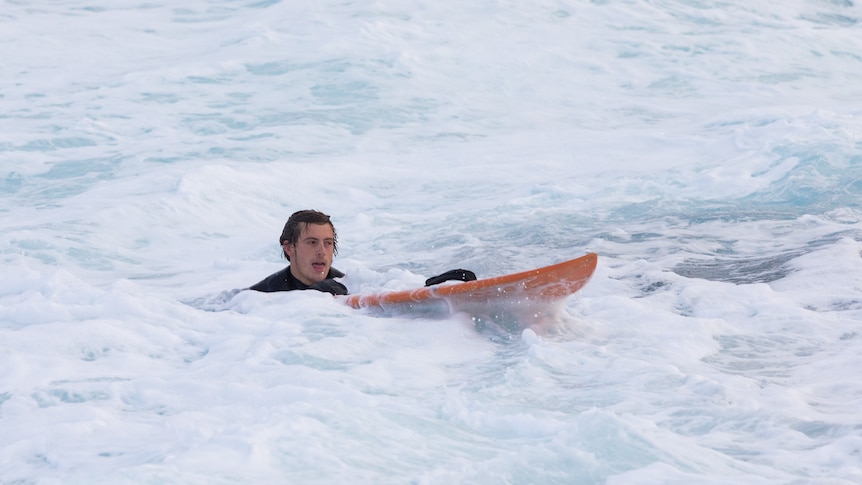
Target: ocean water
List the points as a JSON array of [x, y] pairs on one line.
[[709, 151]]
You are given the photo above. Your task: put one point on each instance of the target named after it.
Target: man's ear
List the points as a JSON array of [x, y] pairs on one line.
[[289, 250]]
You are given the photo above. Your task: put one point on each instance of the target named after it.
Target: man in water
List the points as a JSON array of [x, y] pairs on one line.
[[309, 243]]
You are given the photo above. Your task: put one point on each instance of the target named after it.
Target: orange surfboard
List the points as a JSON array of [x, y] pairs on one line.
[[551, 283]]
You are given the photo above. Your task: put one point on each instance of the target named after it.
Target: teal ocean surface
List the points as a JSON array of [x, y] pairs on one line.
[[710, 153]]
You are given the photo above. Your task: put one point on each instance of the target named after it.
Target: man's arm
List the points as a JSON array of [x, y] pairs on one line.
[[329, 286]]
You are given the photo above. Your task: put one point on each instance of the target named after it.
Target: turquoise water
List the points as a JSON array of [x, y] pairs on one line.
[[709, 152]]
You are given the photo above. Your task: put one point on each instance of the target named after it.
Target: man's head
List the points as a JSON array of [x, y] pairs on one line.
[[309, 242]]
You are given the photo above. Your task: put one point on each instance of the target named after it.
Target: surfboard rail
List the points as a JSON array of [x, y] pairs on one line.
[[547, 283]]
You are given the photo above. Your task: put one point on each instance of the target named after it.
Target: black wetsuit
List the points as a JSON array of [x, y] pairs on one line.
[[285, 281]]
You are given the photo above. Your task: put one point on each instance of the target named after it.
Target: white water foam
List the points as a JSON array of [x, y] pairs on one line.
[[708, 151]]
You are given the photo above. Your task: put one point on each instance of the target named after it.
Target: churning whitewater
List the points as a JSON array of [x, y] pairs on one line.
[[709, 152]]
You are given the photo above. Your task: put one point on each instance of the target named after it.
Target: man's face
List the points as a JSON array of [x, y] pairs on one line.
[[311, 256]]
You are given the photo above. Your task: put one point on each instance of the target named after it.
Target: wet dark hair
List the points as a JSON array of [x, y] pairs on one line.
[[293, 228]]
